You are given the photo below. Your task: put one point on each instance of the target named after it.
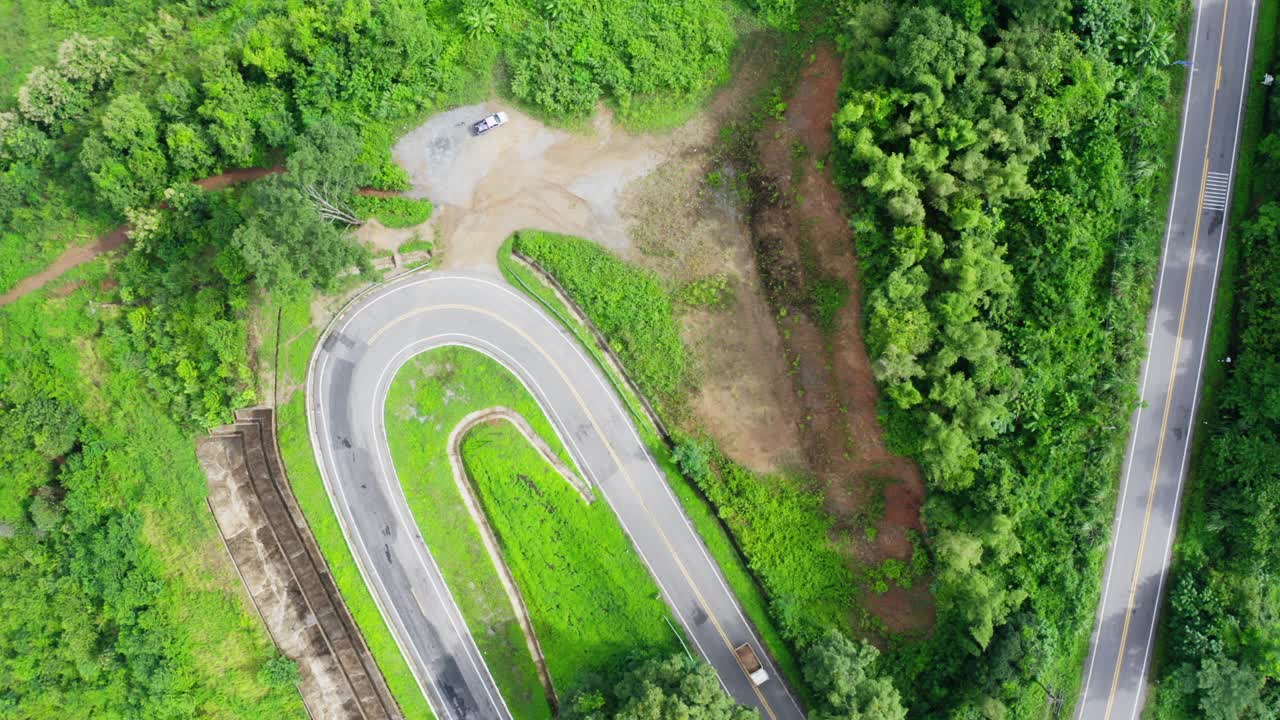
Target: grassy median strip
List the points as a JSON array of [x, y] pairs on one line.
[[590, 599], [700, 512]]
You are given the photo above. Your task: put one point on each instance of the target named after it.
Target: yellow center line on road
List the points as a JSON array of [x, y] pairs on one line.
[[1173, 374], [612, 453]]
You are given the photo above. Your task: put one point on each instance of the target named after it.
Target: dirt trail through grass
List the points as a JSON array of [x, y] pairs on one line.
[[69, 259], [806, 240], [76, 256]]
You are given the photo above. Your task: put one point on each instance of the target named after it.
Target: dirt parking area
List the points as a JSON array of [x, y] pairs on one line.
[[774, 391], [645, 197], [523, 175]]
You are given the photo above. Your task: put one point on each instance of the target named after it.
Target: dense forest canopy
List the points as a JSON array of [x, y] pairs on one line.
[[1001, 160]]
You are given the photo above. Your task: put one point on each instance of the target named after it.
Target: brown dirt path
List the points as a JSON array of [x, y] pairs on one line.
[[74, 257], [69, 259], [803, 236]]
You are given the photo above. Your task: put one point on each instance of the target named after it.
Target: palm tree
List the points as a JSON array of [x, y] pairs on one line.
[[479, 19]]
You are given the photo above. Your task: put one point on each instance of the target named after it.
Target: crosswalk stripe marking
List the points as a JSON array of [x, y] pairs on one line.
[[1217, 190]]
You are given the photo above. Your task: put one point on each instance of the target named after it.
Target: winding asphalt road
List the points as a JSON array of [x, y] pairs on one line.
[[347, 383], [1156, 461]]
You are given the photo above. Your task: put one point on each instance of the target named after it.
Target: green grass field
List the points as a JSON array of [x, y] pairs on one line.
[[599, 601], [591, 600]]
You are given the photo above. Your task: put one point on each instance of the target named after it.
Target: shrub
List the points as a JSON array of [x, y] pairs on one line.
[[393, 212], [627, 304], [827, 295], [710, 291]]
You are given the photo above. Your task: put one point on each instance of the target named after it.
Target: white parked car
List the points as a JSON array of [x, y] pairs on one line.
[[489, 123]]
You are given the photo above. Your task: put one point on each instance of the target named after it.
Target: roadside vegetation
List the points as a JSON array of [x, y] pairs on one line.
[[1221, 630], [1008, 168], [704, 516], [1007, 362], [117, 598], [392, 212], [1006, 165], [591, 600], [289, 338], [629, 306], [776, 522], [1218, 655]]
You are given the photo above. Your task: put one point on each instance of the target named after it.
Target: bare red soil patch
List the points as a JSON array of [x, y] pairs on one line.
[[801, 237]]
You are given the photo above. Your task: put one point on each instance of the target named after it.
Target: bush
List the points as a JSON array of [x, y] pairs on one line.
[[712, 291], [783, 532], [672, 687], [627, 304], [827, 296], [392, 212], [279, 671]]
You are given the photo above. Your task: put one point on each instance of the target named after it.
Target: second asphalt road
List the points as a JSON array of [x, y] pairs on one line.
[[347, 386], [1156, 462]]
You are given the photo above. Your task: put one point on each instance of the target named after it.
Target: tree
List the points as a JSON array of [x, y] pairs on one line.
[[49, 98], [53, 95], [188, 150], [123, 156], [286, 243], [843, 676], [46, 510], [658, 689], [1227, 688], [88, 60], [328, 160], [226, 98]]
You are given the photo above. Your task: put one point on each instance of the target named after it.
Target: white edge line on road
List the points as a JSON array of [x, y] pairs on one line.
[[1208, 322], [396, 496], [397, 627], [662, 481], [1146, 369], [510, 364], [609, 392]]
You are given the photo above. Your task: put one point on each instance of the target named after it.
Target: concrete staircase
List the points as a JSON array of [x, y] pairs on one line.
[[285, 574]]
